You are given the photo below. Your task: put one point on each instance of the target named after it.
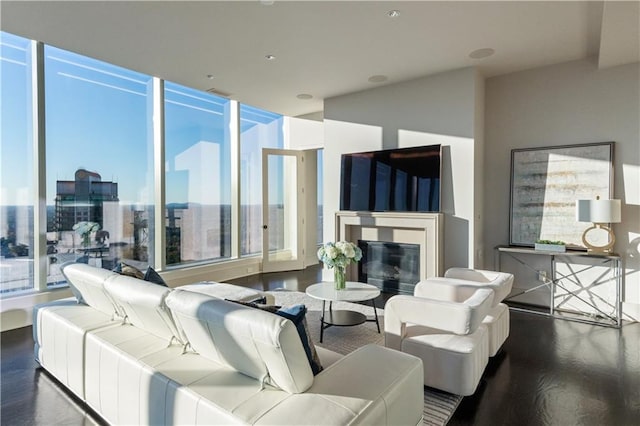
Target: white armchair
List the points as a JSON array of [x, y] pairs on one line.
[[444, 328], [497, 320]]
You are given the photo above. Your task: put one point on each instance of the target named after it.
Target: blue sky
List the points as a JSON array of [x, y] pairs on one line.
[[98, 117]]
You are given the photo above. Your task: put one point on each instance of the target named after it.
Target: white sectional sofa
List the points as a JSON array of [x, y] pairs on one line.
[[140, 353]]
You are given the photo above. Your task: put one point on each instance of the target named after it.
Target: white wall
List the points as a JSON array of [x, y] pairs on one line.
[[563, 104], [435, 109], [303, 134]]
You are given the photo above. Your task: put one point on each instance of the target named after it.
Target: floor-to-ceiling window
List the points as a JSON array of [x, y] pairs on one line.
[[258, 129], [197, 175], [96, 147], [16, 163], [99, 157]]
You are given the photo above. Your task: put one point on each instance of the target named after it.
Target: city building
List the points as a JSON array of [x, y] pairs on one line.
[[83, 200]]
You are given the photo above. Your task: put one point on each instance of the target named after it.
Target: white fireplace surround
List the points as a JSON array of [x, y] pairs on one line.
[[424, 229]]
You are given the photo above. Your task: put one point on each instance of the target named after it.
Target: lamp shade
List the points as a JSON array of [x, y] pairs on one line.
[[598, 211]]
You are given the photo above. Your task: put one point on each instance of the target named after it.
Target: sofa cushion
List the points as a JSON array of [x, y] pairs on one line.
[[87, 284], [122, 381], [143, 305], [261, 345], [297, 315], [59, 333]]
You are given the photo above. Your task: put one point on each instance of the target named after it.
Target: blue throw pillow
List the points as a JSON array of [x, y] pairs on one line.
[[150, 275], [296, 314], [128, 270], [154, 277]]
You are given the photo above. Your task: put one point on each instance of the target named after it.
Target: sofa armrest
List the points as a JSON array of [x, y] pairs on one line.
[[391, 380], [500, 282], [445, 289], [440, 314]]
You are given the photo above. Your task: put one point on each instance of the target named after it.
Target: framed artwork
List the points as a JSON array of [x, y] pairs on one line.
[[545, 184]]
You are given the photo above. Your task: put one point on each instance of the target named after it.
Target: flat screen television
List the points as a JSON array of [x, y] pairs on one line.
[[404, 179]]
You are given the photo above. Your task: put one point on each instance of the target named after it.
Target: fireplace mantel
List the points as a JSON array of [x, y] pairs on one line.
[[424, 229]]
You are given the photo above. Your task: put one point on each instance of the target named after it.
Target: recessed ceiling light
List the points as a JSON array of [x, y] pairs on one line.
[[210, 76], [304, 96], [393, 13], [266, 2], [482, 53], [218, 92], [377, 78], [270, 57]]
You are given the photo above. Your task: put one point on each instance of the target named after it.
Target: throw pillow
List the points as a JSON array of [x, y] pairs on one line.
[[131, 271], [154, 277], [297, 314]]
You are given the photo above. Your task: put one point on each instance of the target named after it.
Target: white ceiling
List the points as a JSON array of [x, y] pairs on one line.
[[326, 48]]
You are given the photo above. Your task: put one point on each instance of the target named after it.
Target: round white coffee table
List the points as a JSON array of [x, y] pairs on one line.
[[355, 292]]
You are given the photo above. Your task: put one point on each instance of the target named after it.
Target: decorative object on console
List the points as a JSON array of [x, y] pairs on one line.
[[548, 245], [338, 256], [600, 213]]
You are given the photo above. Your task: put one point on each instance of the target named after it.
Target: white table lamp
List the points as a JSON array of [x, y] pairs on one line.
[[601, 213]]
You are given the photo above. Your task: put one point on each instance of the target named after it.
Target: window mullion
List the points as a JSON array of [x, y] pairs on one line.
[[234, 130], [40, 257], [160, 259]]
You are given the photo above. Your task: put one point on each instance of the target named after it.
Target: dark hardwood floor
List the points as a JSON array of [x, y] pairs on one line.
[[550, 372]]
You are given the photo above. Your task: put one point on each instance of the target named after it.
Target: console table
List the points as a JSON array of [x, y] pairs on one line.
[[580, 286]]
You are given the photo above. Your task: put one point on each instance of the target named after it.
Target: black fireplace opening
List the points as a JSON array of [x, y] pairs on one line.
[[392, 267]]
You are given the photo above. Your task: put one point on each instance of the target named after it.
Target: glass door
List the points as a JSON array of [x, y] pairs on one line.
[[282, 212]]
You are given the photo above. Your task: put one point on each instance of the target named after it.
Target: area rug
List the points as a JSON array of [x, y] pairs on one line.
[[438, 406]]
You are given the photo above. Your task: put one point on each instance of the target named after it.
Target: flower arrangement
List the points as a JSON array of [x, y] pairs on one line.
[[549, 245], [556, 243], [337, 256], [85, 229]]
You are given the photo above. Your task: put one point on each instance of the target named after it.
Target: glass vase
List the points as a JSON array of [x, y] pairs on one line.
[[339, 278]]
